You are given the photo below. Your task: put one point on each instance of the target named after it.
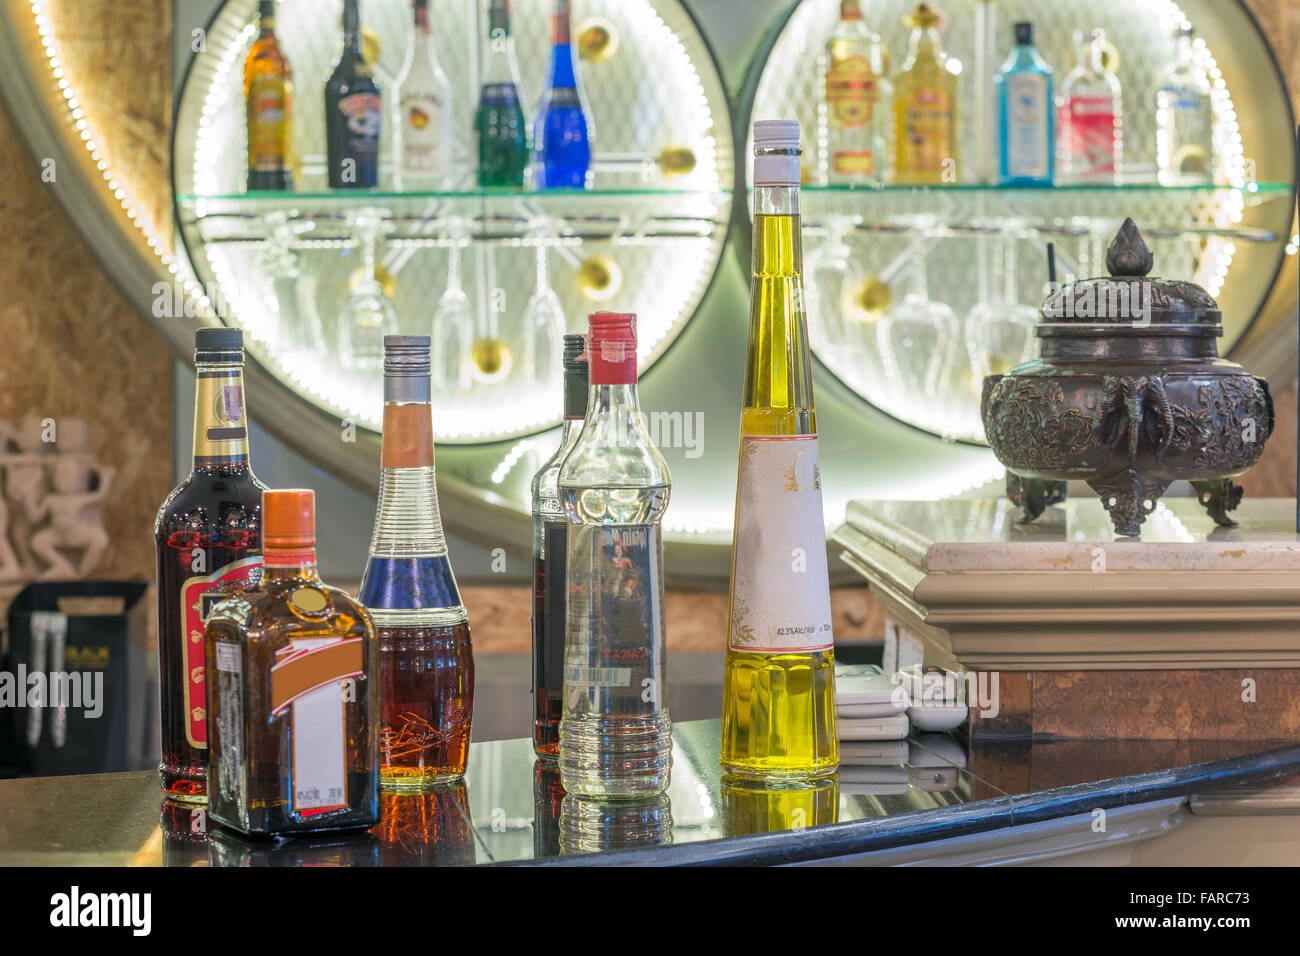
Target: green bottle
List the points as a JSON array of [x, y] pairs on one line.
[[500, 124]]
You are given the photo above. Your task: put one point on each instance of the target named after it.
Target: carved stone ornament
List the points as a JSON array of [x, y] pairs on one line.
[[1129, 395]]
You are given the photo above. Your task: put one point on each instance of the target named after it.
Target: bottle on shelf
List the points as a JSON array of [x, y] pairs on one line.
[[853, 119], [778, 705], [615, 734], [563, 133], [1089, 146], [550, 537], [294, 696], [500, 125], [426, 663], [353, 112], [1026, 134], [424, 98], [208, 537], [268, 99], [925, 108], [1184, 119]]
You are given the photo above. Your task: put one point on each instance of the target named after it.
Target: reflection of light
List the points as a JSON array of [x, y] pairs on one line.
[[510, 460]]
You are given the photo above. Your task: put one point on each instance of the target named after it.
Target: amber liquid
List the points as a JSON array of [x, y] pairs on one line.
[[426, 695], [217, 509]]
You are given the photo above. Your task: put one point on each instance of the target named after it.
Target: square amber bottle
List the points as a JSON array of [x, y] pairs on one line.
[[293, 692]]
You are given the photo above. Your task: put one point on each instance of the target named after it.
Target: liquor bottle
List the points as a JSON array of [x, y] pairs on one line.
[[563, 134], [1089, 116], [208, 537], [500, 125], [615, 735], [1023, 92], [426, 665], [424, 95], [293, 695], [925, 107], [852, 121], [549, 548], [1184, 120], [353, 112], [778, 704], [268, 99]]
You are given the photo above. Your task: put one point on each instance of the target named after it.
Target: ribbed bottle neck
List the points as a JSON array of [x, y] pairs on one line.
[[408, 523]]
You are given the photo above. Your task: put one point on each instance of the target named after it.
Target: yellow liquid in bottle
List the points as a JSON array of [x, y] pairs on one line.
[[778, 709]]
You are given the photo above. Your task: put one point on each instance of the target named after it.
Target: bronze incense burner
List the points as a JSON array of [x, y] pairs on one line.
[[1130, 395]]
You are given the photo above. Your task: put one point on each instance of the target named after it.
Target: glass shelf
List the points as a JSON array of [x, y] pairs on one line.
[[1268, 190]]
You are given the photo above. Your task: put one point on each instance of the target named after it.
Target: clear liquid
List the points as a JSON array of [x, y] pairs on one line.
[[615, 735]]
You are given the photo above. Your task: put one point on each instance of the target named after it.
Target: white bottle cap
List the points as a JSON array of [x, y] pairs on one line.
[[776, 134]]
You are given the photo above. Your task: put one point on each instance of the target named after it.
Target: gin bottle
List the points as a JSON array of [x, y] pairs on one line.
[[1089, 117], [550, 536], [1023, 92], [424, 103], [563, 134], [778, 696], [426, 666], [853, 118], [615, 735], [1184, 120]]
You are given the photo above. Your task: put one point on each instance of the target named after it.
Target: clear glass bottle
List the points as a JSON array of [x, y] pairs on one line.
[[1089, 109], [1026, 115], [925, 108], [1184, 120], [426, 663], [550, 536], [778, 694], [563, 135], [853, 119], [615, 735], [424, 98], [294, 697]]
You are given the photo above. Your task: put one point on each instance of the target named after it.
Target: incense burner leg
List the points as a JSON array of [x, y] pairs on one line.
[[1219, 496], [1126, 497], [1033, 495]]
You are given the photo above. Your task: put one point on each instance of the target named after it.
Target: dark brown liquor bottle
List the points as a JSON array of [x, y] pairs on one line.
[[549, 543], [268, 98], [293, 692], [208, 540]]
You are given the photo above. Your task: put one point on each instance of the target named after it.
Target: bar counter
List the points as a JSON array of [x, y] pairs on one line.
[[950, 802]]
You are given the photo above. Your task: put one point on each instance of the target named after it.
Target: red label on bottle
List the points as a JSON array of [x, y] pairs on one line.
[[1088, 134], [198, 596]]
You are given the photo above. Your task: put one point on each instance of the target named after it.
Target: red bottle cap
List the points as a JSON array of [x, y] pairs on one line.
[[289, 525], [611, 348]]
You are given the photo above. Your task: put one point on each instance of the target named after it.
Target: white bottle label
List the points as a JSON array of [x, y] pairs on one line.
[[780, 595], [1026, 129], [423, 149]]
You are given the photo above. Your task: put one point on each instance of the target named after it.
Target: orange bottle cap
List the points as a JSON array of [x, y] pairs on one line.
[[289, 520]]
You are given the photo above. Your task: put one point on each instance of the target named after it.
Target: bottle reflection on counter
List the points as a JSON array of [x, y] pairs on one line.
[[589, 825], [548, 799], [750, 806], [426, 829]]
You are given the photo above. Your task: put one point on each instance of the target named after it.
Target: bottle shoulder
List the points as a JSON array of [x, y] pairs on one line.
[[270, 613], [206, 497]]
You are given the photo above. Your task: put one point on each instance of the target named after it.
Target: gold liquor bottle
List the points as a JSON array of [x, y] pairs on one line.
[[854, 119], [925, 108], [293, 696], [268, 99], [778, 709]]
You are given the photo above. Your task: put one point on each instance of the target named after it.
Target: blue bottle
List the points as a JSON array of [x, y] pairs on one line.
[[563, 133], [1026, 124]]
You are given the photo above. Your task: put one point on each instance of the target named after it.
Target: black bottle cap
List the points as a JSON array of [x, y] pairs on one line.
[[575, 376], [218, 345], [1024, 33], [575, 352]]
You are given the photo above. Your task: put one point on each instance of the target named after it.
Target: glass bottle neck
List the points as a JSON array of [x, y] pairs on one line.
[[1185, 54], [924, 42], [782, 200], [1090, 55], [351, 27], [407, 440], [220, 420], [296, 567]]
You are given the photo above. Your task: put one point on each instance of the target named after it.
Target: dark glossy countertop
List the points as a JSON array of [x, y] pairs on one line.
[[510, 810]]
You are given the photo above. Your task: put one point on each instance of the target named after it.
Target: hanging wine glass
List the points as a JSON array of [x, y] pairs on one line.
[[292, 290], [999, 330], [917, 342], [544, 325], [368, 313], [452, 331]]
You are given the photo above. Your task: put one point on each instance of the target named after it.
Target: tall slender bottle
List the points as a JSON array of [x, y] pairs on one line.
[[353, 112], [1184, 119], [854, 119], [615, 735], [1089, 148], [563, 134], [500, 125], [426, 665], [208, 536], [1023, 91], [268, 99], [550, 535], [778, 705], [925, 107], [424, 121]]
